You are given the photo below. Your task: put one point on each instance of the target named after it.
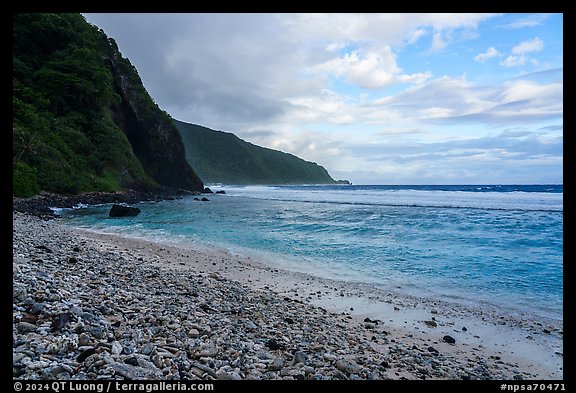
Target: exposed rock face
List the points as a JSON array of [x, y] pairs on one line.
[[123, 211], [155, 140]]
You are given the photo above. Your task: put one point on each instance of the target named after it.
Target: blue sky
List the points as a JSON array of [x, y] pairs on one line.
[[374, 98]]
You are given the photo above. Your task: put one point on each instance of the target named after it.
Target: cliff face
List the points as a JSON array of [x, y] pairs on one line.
[[82, 120], [154, 138], [222, 157]]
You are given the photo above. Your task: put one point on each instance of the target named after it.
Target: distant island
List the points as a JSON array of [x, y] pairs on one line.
[[222, 157]]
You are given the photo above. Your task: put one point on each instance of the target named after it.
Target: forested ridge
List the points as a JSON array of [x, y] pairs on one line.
[[82, 120]]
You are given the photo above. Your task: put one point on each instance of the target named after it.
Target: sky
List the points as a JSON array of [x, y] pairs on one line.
[[374, 98]]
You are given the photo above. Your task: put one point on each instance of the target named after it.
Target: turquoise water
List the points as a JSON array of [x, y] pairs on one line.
[[497, 245]]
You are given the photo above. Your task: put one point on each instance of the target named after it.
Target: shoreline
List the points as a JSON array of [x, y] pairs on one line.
[[42, 205], [405, 342]]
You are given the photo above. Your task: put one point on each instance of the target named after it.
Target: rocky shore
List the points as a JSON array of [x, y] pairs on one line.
[[41, 205], [88, 306]]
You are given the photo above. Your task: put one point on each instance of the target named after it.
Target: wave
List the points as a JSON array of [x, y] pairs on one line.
[[407, 197]]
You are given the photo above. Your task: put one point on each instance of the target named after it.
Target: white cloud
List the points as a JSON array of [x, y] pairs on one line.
[[393, 29], [415, 35], [533, 45], [326, 107], [453, 100], [372, 69], [490, 52], [437, 42], [530, 21], [519, 58], [513, 61]]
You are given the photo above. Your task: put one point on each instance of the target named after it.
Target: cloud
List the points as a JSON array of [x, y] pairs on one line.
[[533, 45], [519, 58], [437, 42], [530, 21], [490, 52], [371, 69], [241, 71], [491, 159], [391, 28], [513, 61], [448, 99]]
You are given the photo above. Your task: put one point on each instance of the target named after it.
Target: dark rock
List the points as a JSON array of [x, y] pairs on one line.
[[464, 329], [518, 377], [221, 192], [432, 349], [546, 331], [273, 344], [97, 331], [300, 357], [449, 339], [123, 211], [431, 323], [84, 355], [30, 318], [60, 320], [205, 199], [76, 249], [196, 199], [105, 310], [133, 361], [289, 320], [72, 260], [299, 377], [207, 191]]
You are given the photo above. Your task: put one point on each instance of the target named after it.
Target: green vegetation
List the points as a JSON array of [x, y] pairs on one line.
[[82, 120], [221, 157]]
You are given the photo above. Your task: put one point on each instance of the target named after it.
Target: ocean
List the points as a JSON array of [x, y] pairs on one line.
[[483, 245]]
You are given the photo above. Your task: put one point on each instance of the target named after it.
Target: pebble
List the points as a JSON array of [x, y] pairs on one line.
[[300, 357], [348, 366], [25, 327]]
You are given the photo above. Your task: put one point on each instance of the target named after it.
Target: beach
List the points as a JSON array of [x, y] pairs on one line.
[[98, 306]]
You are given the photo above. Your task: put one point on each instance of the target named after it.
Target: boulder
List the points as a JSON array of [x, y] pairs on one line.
[[123, 211], [449, 339], [221, 192], [207, 191]]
